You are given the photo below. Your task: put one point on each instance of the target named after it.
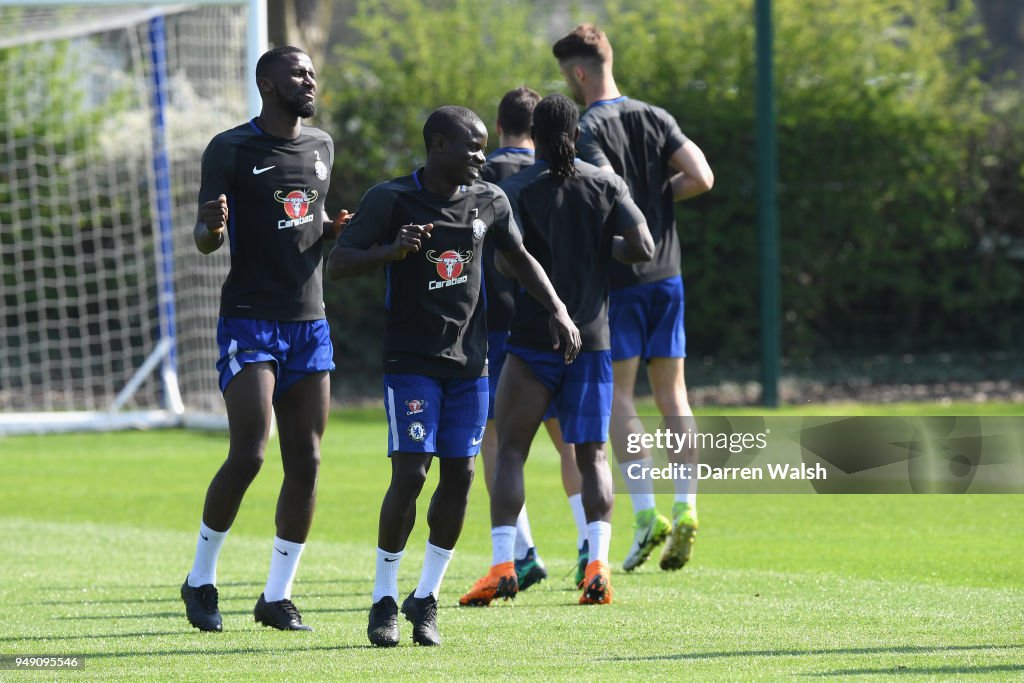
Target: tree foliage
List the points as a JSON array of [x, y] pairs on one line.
[[897, 163]]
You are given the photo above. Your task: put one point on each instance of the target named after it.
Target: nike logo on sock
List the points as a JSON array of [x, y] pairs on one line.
[[283, 552], [205, 538], [391, 559]]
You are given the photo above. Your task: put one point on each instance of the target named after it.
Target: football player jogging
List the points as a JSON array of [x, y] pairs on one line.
[[263, 189], [427, 230], [575, 220], [644, 145], [515, 152]]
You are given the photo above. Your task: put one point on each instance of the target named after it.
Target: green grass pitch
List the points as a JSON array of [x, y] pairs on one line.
[[97, 534]]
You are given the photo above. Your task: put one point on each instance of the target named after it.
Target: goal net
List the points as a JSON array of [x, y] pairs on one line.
[[108, 312]]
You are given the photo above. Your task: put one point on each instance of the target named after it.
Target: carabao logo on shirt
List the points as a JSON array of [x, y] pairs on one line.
[[296, 207], [450, 265]]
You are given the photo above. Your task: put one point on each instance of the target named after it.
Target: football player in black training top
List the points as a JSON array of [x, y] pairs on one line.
[[427, 230], [263, 190], [515, 152], [644, 145], [575, 220]]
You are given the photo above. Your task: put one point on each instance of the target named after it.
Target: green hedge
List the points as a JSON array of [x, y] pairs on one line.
[[900, 169]]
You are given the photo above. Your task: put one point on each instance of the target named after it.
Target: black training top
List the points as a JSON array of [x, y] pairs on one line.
[[501, 291], [637, 140], [275, 190], [514, 184], [506, 161], [435, 323], [568, 227]]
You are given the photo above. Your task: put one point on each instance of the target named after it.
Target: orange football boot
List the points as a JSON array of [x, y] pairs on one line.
[[597, 584], [500, 582]]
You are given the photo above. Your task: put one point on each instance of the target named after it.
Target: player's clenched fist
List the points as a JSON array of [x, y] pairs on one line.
[[215, 214], [410, 239], [341, 222]]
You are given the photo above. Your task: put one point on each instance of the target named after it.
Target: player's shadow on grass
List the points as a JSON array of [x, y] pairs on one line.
[[157, 634], [181, 614], [118, 601], [173, 588], [367, 580], [177, 599], [923, 671], [516, 604], [272, 648], [93, 636], [896, 649]]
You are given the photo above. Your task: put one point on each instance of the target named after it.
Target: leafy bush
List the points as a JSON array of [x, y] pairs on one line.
[[409, 59], [899, 168]]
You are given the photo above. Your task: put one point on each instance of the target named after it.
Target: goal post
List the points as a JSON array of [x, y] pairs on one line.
[[107, 310]]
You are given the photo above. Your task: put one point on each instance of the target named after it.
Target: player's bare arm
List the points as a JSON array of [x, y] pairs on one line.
[[634, 245], [350, 261], [694, 175], [534, 280], [211, 224], [334, 227]]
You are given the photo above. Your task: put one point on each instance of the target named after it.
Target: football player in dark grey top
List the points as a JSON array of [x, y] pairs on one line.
[[263, 189], [427, 231], [575, 220], [515, 153], [644, 145]]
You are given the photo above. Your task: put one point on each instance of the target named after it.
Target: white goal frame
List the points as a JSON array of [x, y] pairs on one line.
[[162, 358]]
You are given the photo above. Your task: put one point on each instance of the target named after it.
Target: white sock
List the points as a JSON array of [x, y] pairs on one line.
[[386, 580], [641, 491], [686, 489], [524, 538], [599, 536], [580, 517], [688, 497], [284, 562], [503, 541], [204, 566], [435, 564]]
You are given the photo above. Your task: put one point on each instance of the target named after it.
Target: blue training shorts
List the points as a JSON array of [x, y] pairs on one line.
[[297, 349], [647, 320], [496, 352], [435, 415], [582, 390]]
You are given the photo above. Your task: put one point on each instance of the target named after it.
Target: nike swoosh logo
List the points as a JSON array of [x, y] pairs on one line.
[[283, 552], [477, 442], [205, 538], [257, 171], [391, 559]]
